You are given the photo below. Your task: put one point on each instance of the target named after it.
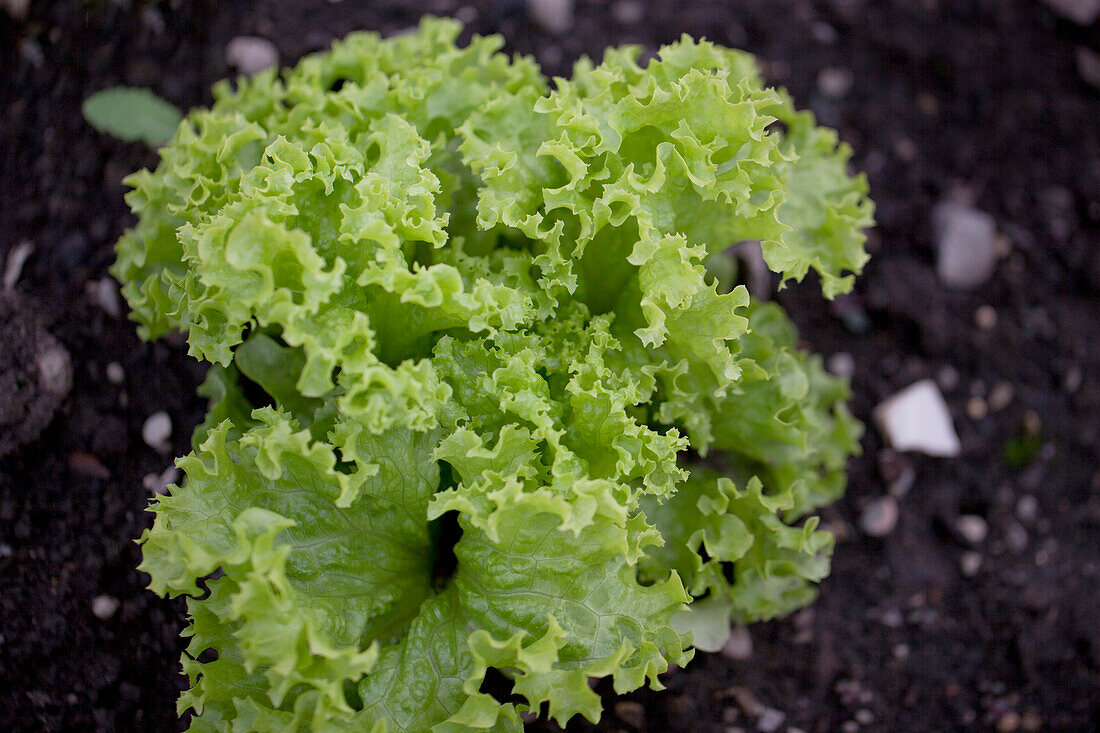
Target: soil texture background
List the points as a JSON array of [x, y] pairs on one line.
[[935, 625]]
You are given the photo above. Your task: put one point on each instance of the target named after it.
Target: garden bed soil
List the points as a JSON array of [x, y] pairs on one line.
[[978, 99]]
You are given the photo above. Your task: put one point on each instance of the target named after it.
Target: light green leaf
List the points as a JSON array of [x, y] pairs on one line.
[[132, 114]]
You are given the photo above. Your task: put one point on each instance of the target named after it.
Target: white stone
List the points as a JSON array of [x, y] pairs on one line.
[[739, 646], [917, 419], [157, 430], [13, 268], [770, 720], [104, 607], [880, 517], [966, 243], [553, 16], [105, 293], [973, 528], [1082, 12], [251, 54]]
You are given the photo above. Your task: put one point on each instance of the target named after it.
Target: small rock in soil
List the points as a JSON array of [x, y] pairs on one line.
[[156, 431], [17, 9], [115, 373], [13, 267], [770, 720], [739, 646], [1001, 396], [85, 464], [1088, 65], [880, 517], [631, 712], [1082, 12], [158, 483], [747, 701], [973, 528], [985, 317], [105, 293], [970, 563], [1027, 508], [104, 607], [965, 243], [553, 16], [841, 364], [835, 83], [917, 419], [628, 12], [1016, 537], [251, 54]]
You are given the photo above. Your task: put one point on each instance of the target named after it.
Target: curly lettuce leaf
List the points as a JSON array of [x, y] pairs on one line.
[[442, 298]]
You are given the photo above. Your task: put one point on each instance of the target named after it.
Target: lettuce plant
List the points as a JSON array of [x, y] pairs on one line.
[[477, 409]]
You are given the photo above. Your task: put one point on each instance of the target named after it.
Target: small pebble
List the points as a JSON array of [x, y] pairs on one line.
[[739, 646], [864, 716], [553, 16], [970, 563], [976, 408], [13, 266], [880, 517], [1033, 424], [1016, 537], [628, 12], [849, 726], [157, 430], [823, 33], [747, 701], [965, 245], [841, 364], [835, 82], [251, 54], [1027, 508], [1073, 379], [948, 378], [31, 52], [105, 293], [770, 720], [104, 607], [985, 317], [115, 373], [973, 528], [1009, 722], [902, 652], [1001, 396], [630, 712], [1088, 65], [1082, 12], [157, 483], [88, 465]]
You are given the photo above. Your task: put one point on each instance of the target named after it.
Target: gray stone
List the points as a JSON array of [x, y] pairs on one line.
[[966, 243], [553, 16], [251, 54], [880, 517]]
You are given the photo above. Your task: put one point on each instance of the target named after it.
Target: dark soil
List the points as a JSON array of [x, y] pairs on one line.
[[978, 99]]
